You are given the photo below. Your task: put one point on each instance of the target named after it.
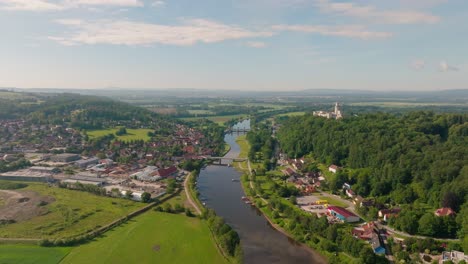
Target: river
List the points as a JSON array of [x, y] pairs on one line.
[[261, 243]]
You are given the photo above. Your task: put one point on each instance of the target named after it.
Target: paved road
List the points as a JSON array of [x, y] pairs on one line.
[[189, 197], [392, 230]]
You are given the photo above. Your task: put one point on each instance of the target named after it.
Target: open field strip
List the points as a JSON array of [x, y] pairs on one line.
[[132, 134], [69, 213], [152, 237], [217, 119], [30, 254]]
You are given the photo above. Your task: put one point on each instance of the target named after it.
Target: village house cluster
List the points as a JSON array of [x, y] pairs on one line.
[[135, 166]]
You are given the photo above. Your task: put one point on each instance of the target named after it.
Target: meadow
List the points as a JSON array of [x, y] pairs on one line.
[[152, 237], [72, 213], [292, 114], [217, 119], [132, 134], [27, 254]]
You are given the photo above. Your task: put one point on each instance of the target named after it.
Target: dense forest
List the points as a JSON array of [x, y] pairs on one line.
[[89, 112], [419, 158]]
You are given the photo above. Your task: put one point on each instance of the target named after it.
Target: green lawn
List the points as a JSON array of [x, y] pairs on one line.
[[151, 238], [333, 201], [26, 254], [72, 213], [132, 134]]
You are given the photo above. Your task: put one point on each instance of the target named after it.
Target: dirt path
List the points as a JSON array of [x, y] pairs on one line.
[[189, 197]]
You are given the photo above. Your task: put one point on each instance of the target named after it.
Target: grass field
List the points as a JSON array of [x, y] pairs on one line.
[[200, 112], [132, 134], [217, 119], [26, 254], [151, 238], [292, 114], [72, 213]]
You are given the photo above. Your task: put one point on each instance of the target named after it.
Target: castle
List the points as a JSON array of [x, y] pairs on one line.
[[335, 114]]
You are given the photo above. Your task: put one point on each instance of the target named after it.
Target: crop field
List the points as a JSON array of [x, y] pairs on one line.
[[132, 134], [27, 254], [51, 212], [152, 237]]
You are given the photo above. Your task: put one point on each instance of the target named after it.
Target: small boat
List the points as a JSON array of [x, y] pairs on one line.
[[204, 204]]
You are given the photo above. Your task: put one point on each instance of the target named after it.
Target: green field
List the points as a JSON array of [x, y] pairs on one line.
[[217, 119], [132, 134], [292, 114], [26, 254], [200, 112], [151, 238], [72, 213]]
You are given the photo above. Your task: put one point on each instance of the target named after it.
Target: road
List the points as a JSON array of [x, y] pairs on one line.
[[392, 230], [189, 197]]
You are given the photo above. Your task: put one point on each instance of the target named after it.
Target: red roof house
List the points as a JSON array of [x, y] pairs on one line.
[[444, 211]]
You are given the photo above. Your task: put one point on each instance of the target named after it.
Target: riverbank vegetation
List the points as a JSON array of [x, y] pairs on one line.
[[305, 228], [418, 161], [225, 237]]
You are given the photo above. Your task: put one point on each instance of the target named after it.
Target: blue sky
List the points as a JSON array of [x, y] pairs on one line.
[[235, 44]]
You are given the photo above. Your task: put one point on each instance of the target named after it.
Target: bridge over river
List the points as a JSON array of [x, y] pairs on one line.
[[219, 160]]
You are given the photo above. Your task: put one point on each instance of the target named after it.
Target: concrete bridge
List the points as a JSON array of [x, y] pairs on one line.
[[219, 160]]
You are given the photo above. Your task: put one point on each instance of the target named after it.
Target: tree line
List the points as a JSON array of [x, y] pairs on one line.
[[417, 159]]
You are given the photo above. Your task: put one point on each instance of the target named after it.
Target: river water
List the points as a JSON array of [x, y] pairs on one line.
[[261, 243]]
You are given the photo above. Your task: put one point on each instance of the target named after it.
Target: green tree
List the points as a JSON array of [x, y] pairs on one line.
[[145, 197]]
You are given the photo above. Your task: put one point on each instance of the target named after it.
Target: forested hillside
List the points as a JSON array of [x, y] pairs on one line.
[[89, 112], [420, 157]]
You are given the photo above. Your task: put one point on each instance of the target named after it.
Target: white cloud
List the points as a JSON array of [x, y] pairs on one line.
[[445, 67], [29, 5], [158, 3], [256, 44], [47, 5], [349, 31], [418, 64], [120, 3], [371, 13], [124, 32]]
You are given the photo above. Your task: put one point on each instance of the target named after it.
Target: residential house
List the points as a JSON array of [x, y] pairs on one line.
[[333, 168], [364, 231], [454, 256], [444, 211], [387, 213]]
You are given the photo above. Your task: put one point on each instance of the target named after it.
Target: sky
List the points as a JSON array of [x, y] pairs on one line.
[[282, 45]]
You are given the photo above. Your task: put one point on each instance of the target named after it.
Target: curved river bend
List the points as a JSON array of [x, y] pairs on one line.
[[261, 243]]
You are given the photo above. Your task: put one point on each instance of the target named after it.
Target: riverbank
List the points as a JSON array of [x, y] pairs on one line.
[[202, 211], [248, 186]]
